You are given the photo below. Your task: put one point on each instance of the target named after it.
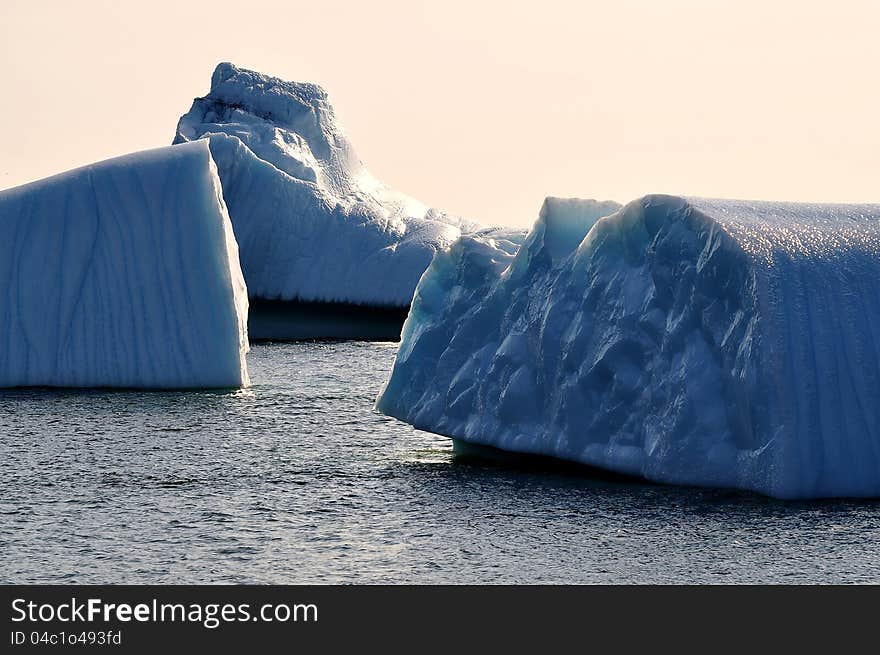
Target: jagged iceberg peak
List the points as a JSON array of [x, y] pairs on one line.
[[312, 223], [292, 126], [722, 343], [289, 124]]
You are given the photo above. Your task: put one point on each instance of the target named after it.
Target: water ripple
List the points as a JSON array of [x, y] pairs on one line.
[[297, 480]]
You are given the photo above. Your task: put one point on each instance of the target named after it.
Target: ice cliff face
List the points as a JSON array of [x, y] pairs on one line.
[[124, 273], [691, 341], [312, 223]]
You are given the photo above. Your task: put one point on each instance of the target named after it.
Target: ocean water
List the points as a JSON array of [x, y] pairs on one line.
[[298, 480]]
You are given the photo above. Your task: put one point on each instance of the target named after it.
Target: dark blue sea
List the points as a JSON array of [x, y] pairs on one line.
[[298, 480]]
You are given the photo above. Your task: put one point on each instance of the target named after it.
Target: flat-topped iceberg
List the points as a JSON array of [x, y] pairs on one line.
[[721, 343], [124, 273], [312, 224]]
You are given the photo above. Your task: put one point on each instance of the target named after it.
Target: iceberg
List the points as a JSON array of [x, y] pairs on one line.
[[123, 273], [721, 343], [313, 225]]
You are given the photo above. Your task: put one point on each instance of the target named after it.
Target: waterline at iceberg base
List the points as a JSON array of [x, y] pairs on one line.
[[719, 343], [295, 320]]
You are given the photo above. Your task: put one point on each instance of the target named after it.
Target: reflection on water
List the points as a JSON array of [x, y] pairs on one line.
[[298, 480]]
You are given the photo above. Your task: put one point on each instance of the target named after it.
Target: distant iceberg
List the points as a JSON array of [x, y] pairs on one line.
[[314, 226], [124, 273], [703, 342]]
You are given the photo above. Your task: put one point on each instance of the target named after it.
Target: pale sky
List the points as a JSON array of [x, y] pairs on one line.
[[479, 108]]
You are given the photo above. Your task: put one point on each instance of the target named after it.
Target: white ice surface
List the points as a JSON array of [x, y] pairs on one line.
[[709, 342], [124, 273], [312, 223]]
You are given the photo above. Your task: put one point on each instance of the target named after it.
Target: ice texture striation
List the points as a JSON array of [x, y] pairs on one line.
[[124, 273], [312, 223], [704, 342]]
